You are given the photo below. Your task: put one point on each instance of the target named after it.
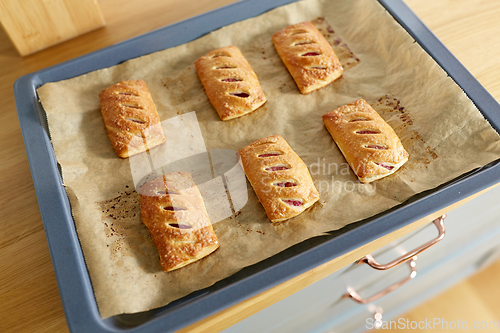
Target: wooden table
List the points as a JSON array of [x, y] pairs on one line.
[[29, 298]]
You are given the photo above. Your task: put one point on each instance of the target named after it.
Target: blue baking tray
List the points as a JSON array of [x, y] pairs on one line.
[[72, 277]]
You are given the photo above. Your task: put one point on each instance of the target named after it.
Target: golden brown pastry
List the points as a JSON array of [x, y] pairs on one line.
[[173, 210], [369, 144], [308, 56], [279, 177], [230, 83], [130, 117]]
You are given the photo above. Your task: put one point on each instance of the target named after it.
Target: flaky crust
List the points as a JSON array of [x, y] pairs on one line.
[[371, 156], [182, 234], [130, 118], [279, 201], [228, 78], [308, 56]]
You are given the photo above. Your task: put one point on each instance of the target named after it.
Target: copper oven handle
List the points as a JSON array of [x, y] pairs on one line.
[[368, 259], [355, 296]]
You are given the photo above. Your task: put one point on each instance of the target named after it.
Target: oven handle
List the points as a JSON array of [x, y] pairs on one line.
[[368, 259], [351, 293]]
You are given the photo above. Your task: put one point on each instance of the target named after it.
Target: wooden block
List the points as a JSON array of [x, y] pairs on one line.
[[33, 25]]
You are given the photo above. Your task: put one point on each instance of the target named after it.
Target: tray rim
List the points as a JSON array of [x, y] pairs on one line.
[[67, 257]]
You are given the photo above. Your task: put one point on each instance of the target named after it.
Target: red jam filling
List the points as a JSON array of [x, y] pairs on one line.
[[285, 184], [310, 54], [388, 167], [367, 132], [376, 147], [231, 79], [170, 208], [277, 168], [180, 226], [269, 154], [225, 67], [303, 43], [359, 119], [240, 94], [295, 203]]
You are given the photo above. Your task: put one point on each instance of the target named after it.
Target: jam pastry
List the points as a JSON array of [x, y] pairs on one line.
[[130, 117], [369, 144], [230, 83], [173, 210], [279, 177], [308, 57]]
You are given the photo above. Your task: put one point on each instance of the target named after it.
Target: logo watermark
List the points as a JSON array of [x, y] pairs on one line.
[[323, 167], [431, 324], [217, 173], [338, 178]]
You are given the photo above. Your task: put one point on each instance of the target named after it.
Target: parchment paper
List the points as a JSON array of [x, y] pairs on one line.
[[439, 126]]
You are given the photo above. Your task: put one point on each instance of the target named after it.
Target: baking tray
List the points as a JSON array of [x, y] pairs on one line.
[[72, 277]]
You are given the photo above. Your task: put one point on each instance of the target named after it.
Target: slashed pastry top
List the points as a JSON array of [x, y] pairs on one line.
[[308, 56], [173, 210], [369, 144], [279, 177], [230, 82], [130, 117]]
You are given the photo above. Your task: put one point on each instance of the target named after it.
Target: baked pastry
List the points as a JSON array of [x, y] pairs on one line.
[[308, 56], [230, 83], [130, 117], [279, 177], [173, 210], [369, 144]]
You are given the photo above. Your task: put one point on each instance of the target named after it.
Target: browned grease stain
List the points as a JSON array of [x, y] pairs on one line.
[[391, 109], [282, 87], [244, 229], [183, 85], [126, 235], [346, 56]]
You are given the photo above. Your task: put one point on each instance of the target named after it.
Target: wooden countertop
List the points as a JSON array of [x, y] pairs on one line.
[[29, 298]]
